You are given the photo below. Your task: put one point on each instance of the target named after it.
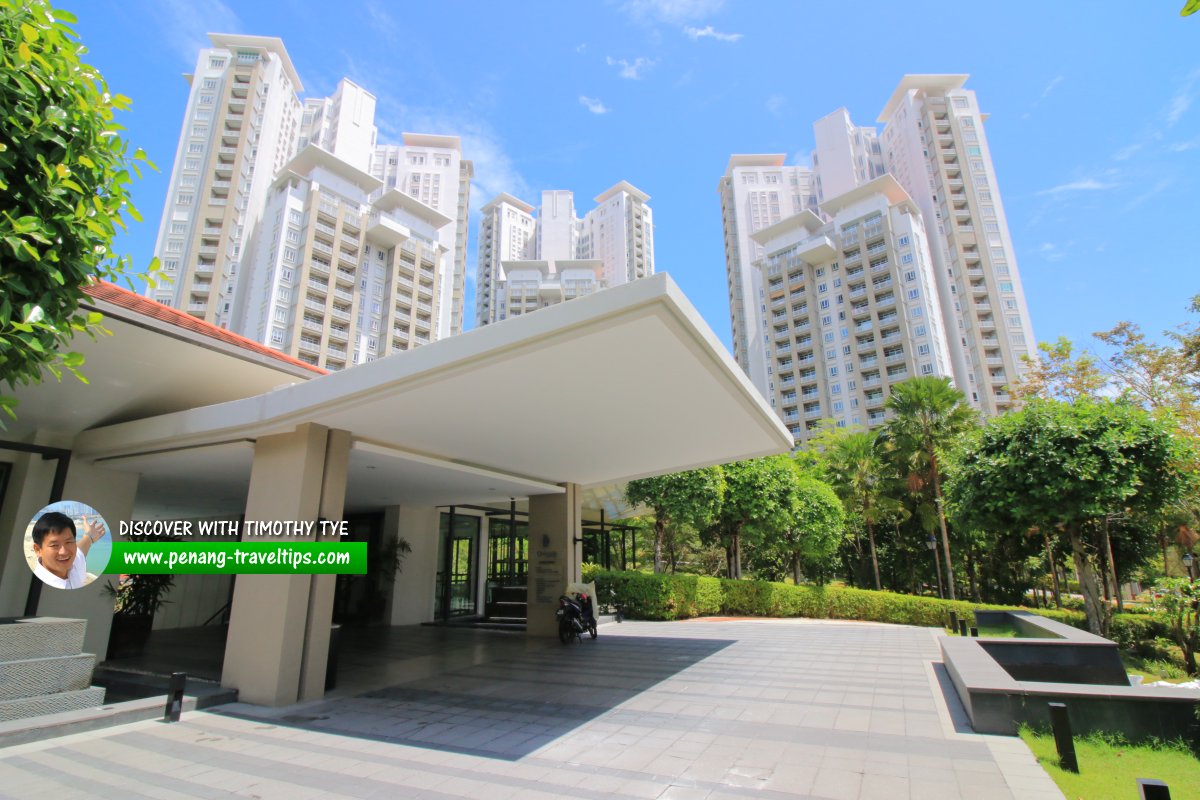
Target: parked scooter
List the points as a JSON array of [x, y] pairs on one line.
[[575, 616]]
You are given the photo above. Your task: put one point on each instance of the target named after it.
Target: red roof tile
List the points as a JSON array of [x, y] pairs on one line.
[[111, 293]]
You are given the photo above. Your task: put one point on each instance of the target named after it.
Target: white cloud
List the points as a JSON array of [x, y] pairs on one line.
[[581, 48], [670, 11], [593, 105], [1085, 185], [1050, 252], [185, 24], [1050, 86], [1182, 100], [775, 103], [708, 31], [1157, 188], [1127, 152], [630, 70], [1183, 147]]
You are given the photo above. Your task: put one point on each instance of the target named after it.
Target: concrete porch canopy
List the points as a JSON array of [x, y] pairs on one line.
[[618, 385]]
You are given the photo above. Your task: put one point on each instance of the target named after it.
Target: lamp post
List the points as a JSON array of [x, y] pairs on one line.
[[931, 543]]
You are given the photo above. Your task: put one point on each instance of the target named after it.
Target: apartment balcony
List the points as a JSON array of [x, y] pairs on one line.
[[853, 257], [897, 373], [321, 247], [406, 283], [218, 201], [861, 310], [868, 361], [813, 414], [423, 338], [339, 332], [351, 226], [983, 306], [995, 361], [345, 276], [979, 289], [311, 325], [336, 352], [894, 358], [341, 313], [879, 266], [800, 362], [403, 319], [422, 323], [1001, 397], [859, 292], [879, 284], [783, 348], [787, 381], [347, 258], [877, 249], [988, 324], [425, 307], [869, 382], [874, 399], [226, 154], [876, 417], [327, 229], [863, 326], [310, 345], [871, 231], [792, 416], [204, 269], [318, 268], [318, 286], [778, 301], [866, 345], [315, 305], [885, 302], [342, 294], [816, 248]]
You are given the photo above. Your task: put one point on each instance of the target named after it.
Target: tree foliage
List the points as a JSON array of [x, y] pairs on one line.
[[690, 499], [755, 501], [814, 523], [929, 417], [1058, 373], [1060, 469], [65, 174]]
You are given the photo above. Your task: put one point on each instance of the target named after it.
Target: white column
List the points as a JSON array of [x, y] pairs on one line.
[[555, 531]]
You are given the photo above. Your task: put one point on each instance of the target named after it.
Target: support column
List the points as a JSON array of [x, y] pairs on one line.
[[278, 638], [555, 539]]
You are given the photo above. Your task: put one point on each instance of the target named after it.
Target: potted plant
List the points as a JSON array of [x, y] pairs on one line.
[[136, 598]]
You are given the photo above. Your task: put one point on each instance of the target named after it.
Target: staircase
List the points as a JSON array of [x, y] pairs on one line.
[[508, 605], [43, 669]]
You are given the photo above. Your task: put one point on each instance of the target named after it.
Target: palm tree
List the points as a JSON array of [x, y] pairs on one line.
[[928, 415], [855, 468]]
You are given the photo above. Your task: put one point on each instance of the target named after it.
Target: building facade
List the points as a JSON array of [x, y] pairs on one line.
[[975, 322], [852, 306], [283, 218], [529, 258]]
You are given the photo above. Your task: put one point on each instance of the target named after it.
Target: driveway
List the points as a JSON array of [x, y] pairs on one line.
[[697, 709]]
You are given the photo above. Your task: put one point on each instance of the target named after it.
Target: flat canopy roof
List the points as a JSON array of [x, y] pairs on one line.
[[620, 384], [942, 83], [805, 220]]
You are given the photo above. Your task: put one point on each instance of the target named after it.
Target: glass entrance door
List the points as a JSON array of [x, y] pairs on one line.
[[508, 552], [462, 562]]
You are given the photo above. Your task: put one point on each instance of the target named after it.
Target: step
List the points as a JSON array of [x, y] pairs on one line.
[[22, 731], [40, 637], [31, 677], [58, 702]]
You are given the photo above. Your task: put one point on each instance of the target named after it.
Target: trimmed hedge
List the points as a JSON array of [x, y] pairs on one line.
[[644, 595]]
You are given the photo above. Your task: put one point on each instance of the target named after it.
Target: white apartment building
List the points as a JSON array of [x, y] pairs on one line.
[[611, 245], [934, 147], [934, 143], [291, 189], [852, 305], [431, 168], [241, 125], [756, 192]]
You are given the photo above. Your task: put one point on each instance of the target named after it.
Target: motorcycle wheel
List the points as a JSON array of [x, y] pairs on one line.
[[565, 634], [592, 630]]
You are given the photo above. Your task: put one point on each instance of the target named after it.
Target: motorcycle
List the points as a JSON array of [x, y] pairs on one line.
[[575, 617]]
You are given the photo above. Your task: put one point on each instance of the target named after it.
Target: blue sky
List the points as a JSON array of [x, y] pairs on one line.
[[1094, 127]]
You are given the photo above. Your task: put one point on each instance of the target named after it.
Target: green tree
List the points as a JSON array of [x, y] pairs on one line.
[[1057, 373], [1162, 378], [814, 523], [929, 417], [1061, 469], [681, 499], [855, 467], [755, 500], [1178, 601], [64, 175]]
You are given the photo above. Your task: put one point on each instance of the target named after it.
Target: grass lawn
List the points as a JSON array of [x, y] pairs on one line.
[[992, 632], [1154, 670], [1107, 770]]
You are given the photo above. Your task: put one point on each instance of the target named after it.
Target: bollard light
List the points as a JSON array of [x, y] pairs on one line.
[[1060, 723], [175, 697], [974, 632], [954, 620], [1153, 790], [962, 627]]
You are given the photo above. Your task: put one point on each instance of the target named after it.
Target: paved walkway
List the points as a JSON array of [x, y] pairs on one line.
[[698, 709]]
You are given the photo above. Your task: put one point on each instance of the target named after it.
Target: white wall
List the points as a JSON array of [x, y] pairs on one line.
[[412, 595]]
